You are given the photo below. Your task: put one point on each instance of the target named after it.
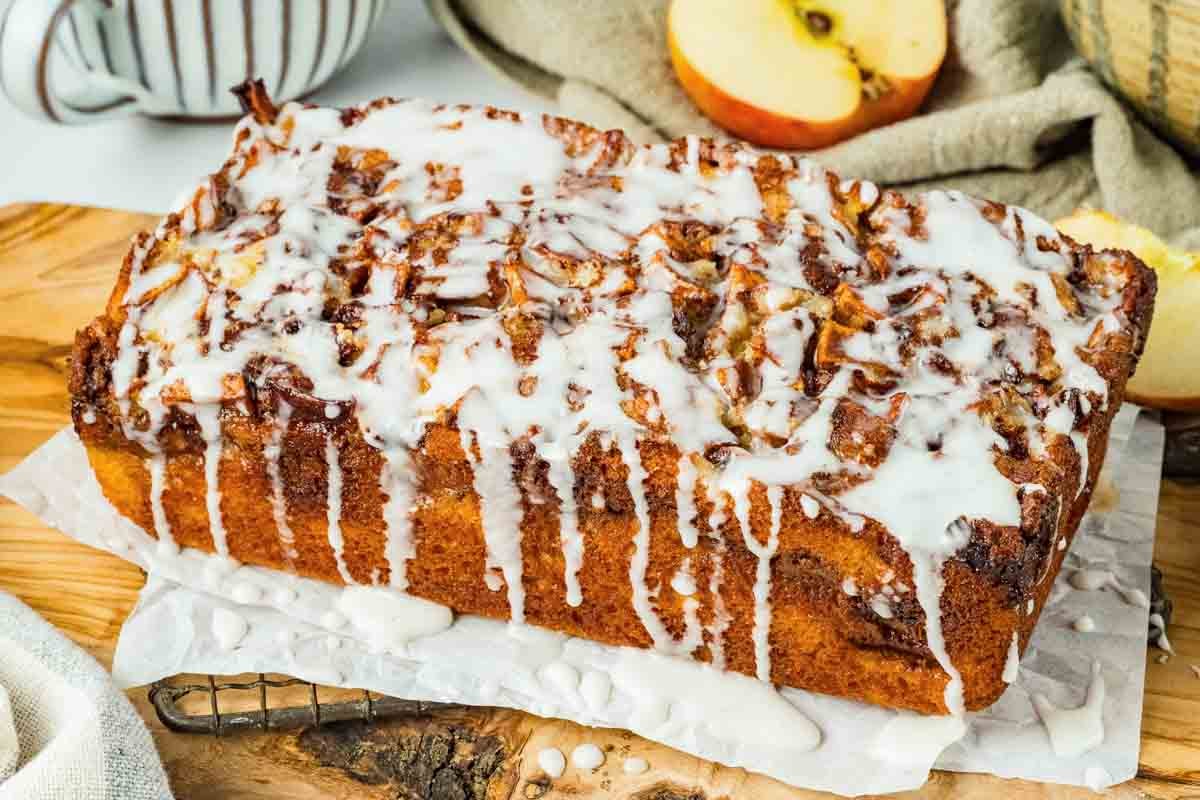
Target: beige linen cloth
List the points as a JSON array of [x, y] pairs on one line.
[[1014, 116], [66, 731]]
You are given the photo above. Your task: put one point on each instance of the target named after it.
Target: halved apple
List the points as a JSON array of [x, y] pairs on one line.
[[803, 74], [1167, 376]]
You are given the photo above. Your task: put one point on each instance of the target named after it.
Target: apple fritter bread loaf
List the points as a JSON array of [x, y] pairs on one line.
[[688, 396]]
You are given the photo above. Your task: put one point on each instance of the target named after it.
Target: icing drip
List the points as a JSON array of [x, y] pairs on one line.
[[812, 509], [587, 756], [685, 502], [397, 514], [387, 619], [1012, 665], [762, 576], [682, 581], [641, 549], [561, 677], [563, 480], [596, 688], [500, 513], [157, 464], [635, 766], [552, 762], [927, 572], [333, 504], [228, 628], [210, 430], [909, 738], [668, 690], [1090, 580], [272, 453], [1074, 731]]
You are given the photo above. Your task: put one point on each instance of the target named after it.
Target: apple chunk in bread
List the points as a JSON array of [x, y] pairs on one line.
[[802, 74], [1167, 375]]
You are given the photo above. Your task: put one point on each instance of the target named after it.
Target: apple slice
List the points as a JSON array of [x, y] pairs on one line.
[[803, 74], [1167, 376]]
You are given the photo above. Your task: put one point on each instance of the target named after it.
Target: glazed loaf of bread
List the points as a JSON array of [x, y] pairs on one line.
[[687, 396]]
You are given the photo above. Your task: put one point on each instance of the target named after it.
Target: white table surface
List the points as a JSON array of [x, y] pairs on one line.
[[144, 164]]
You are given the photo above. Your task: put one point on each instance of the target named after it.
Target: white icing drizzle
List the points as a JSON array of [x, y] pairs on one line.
[[387, 618], [500, 511], [1090, 580], [909, 738], [587, 756], [682, 582], [640, 560], [544, 225], [563, 480], [228, 628], [561, 677], [552, 761], [635, 766], [397, 483], [669, 690], [157, 465], [333, 505], [1074, 731], [812, 509], [272, 453], [1012, 664], [685, 502], [595, 687], [762, 576]]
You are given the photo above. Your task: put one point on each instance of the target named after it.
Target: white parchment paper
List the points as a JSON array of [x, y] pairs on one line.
[[183, 622]]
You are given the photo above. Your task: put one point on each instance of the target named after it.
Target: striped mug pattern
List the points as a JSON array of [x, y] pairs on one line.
[[73, 61]]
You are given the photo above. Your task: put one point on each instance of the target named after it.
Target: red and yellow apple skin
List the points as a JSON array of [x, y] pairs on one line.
[[884, 97]]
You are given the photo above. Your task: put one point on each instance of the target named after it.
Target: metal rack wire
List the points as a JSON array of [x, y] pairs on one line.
[[166, 696]]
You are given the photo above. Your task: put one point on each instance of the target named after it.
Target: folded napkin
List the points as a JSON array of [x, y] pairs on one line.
[[1014, 115], [66, 731]]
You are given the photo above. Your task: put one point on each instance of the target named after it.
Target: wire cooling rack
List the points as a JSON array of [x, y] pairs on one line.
[[208, 704]]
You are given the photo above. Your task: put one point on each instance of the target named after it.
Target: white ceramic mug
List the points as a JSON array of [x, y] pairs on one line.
[[73, 61]]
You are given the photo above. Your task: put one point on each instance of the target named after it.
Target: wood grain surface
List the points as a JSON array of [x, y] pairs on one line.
[[57, 265]]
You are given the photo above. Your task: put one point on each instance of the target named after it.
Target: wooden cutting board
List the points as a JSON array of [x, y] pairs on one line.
[[57, 264]]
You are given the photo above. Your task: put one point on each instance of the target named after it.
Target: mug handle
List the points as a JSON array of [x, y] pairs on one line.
[[27, 34]]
